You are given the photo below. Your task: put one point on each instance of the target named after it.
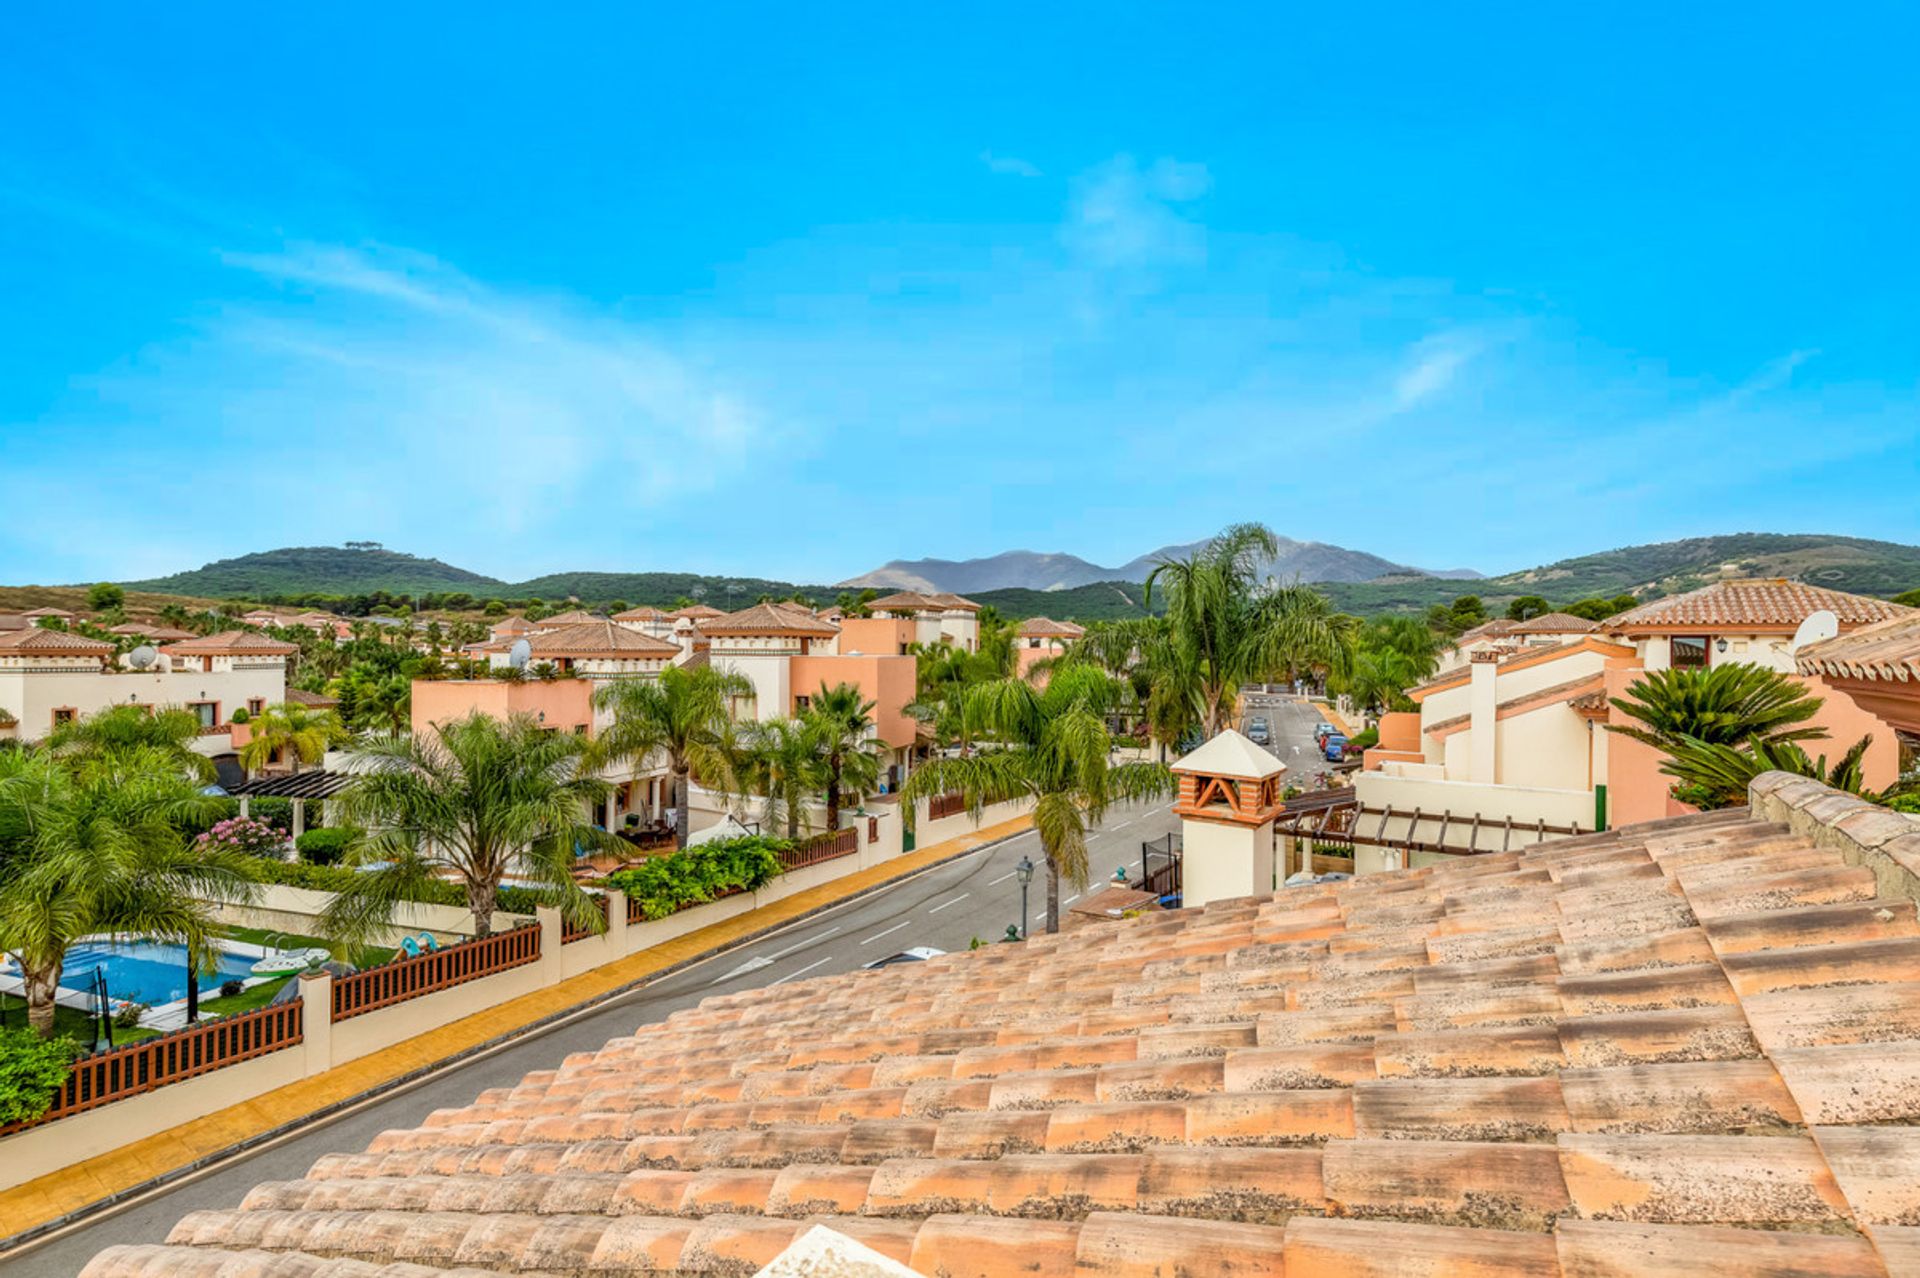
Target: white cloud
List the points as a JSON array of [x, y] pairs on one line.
[[1436, 361], [1123, 215], [1011, 165]]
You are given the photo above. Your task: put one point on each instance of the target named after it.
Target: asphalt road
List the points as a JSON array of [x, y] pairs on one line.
[[1290, 722], [975, 895]]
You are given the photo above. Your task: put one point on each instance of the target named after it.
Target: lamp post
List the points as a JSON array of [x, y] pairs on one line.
[[1024, 873]]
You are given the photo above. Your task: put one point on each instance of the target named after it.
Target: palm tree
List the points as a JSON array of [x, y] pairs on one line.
[[387, 703], [1227, 629], [840, 720], [683, 715], [1050, 746], [479, 797], [169, 730], [780, 761], [1391, 654], [100, 848], [1719, 705], [296, 733]]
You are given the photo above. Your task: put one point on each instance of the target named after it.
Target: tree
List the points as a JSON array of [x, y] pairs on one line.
[[1717, 775], [100, 847], [683, 715], [104, 595], [168, 731], [1526, 607], [1468, 611], [1050, 746], [477, 798], [840, 721], [1720, 705], [1227, 629], [1391, 654], [387, 704], [495, 608], [779, 760], [295, 733]]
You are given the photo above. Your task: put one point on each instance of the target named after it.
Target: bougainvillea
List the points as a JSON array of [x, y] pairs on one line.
[[244, 834]]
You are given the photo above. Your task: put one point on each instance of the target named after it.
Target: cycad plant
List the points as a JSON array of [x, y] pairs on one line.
[[1716, 775], [100, 847], [1050, 746], [477, 798], [1720, 705], [684, 716]]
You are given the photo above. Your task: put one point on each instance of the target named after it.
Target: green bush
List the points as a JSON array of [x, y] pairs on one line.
[[338, 878], [666, 884], [31, 1071], [325, 847], [1364, 740], [232, 987]]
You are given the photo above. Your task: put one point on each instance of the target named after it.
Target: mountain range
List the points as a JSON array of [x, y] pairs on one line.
[[1032, 570]]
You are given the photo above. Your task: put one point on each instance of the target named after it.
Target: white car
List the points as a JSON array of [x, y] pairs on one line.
[[918, 954]]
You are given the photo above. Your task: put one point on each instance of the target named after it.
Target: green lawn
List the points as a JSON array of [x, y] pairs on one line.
[[363, 957], [246, 1000], [68, 1022]]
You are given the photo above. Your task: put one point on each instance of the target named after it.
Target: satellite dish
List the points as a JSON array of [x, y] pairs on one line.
[[1818, 626], [519, 654], [142, 657]]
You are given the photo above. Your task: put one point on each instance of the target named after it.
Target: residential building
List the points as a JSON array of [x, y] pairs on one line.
[[35, 616], [1042, 638], [937, 617], [1878, 668], [49, 677]]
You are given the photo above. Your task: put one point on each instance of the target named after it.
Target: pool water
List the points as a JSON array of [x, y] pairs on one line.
[[152, 972]]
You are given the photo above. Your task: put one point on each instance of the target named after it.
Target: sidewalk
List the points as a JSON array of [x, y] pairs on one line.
[[1332, 716], [27, 1206]]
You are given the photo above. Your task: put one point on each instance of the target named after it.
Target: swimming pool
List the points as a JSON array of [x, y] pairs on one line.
[[152, 972]]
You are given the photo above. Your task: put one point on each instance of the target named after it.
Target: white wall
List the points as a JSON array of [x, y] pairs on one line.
[[1377, 791], [1220, 861], [31, 696]]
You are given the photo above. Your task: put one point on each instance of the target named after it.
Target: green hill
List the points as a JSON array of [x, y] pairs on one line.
[[332, 570], [1101, 601]]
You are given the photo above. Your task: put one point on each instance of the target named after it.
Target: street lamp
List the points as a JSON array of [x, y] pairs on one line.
[[1024, 873]]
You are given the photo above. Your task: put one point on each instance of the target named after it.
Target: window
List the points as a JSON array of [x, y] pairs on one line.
[[208, 712], [579, 729], [800, 704], [1687, 652], [63, 714], [256, 705]]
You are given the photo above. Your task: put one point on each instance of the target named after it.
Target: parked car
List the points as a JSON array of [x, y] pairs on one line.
[[1336, 748], [1322, 730], [918, 954], [1257, 731]]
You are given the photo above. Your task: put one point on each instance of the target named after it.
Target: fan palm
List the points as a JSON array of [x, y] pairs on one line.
[[1719, 705], [292, 732], [100, 848], [169, 730], [840, 720], [1049, 746], [478, 797], [1227, 628], [780, 761], [684, 716]]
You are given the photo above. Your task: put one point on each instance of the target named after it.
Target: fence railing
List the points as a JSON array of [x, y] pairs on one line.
[[1160, 865], [822, 847], [569, 932], [198, 1049], [946, 805], [398, 981]]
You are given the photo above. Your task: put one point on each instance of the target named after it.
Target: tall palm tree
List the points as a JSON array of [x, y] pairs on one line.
[[478, 797], [100, 847], [1226, 628], [169, 730], [840, 720], [296, 733], [387, 703], [780, 761], [1391, 654], [683, 715], [1048, 745]]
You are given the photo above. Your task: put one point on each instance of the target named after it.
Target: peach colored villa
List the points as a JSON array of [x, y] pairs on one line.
[[1514, 729], [1041, 638]]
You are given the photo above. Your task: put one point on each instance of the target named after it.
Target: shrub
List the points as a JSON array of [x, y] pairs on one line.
[[338, 878], [1364, 740], [244, 834], [231, 987], [31, 1071], [666, 884], [240, 716], [127, 1015], [325, 847]]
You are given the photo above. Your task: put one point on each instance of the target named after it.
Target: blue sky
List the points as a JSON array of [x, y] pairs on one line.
[[791, 292]]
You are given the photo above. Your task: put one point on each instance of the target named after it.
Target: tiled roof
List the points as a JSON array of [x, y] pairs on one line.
[[599, 638], [695, 612], [58, 642], [906, 601], [1485, 630], [1771, 602], [577, 617], [318, 701], [1889, 650], [1047, 627], [131, 628], [233, 643], [947, 599], [511, 626], [769, 619], [1685, 1048], [167, 634], [14, 621], [37, 613], [642, 613], [1553, 623]]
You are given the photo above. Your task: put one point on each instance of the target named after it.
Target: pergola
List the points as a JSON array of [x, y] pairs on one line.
[[1335, 817], [319, 785]]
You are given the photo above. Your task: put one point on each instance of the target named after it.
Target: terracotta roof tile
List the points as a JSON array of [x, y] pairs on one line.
[[1048, 628], [1686, 1047], [599, 638], [1553, 623], [1771, 603], [1888, 650], [65, 643], [233, 643], [768, 619]]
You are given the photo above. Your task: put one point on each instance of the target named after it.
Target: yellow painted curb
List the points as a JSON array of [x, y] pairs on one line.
[[34, 1203]]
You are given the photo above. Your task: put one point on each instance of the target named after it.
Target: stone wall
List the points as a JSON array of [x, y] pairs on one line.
[[1884, 841]]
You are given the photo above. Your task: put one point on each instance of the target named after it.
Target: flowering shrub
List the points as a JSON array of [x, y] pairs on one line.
[[244, 834]]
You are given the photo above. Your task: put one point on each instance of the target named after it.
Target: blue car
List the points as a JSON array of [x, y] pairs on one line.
[[1336, 748]]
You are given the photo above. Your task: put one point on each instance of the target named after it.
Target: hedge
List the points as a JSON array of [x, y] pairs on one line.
[[665, 884], [31, 1071], [338, 878], [325, 847]]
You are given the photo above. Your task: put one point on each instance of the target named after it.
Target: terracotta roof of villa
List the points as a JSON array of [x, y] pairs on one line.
[[314, 700], [642, 613], [599, 638], [233, 643], [769, 619], [1048, 628], [950, 600], [131, 628], [167, 634], [1682, 1048], [14, 621], [36, 614], [1524, 655], [906, 601], [574, 617], [1553, 623], [1485, 630], [511, 626], [55, 642], [695, 612], [1888, 650], [1764, 603]]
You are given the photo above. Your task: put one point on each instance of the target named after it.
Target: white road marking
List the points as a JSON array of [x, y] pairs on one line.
[[801, 945], [1002, 879], [1041, 917], [955, 901], [889, 932], [751, 965], [802, 972], [1070, 900]]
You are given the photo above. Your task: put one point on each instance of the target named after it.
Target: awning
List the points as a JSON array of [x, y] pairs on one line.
[[318, 784]]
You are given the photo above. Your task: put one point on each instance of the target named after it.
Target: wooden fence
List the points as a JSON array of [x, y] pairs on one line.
[[198, 1049], [822, 847], [403, 979], [570, 932], [946, 805]]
